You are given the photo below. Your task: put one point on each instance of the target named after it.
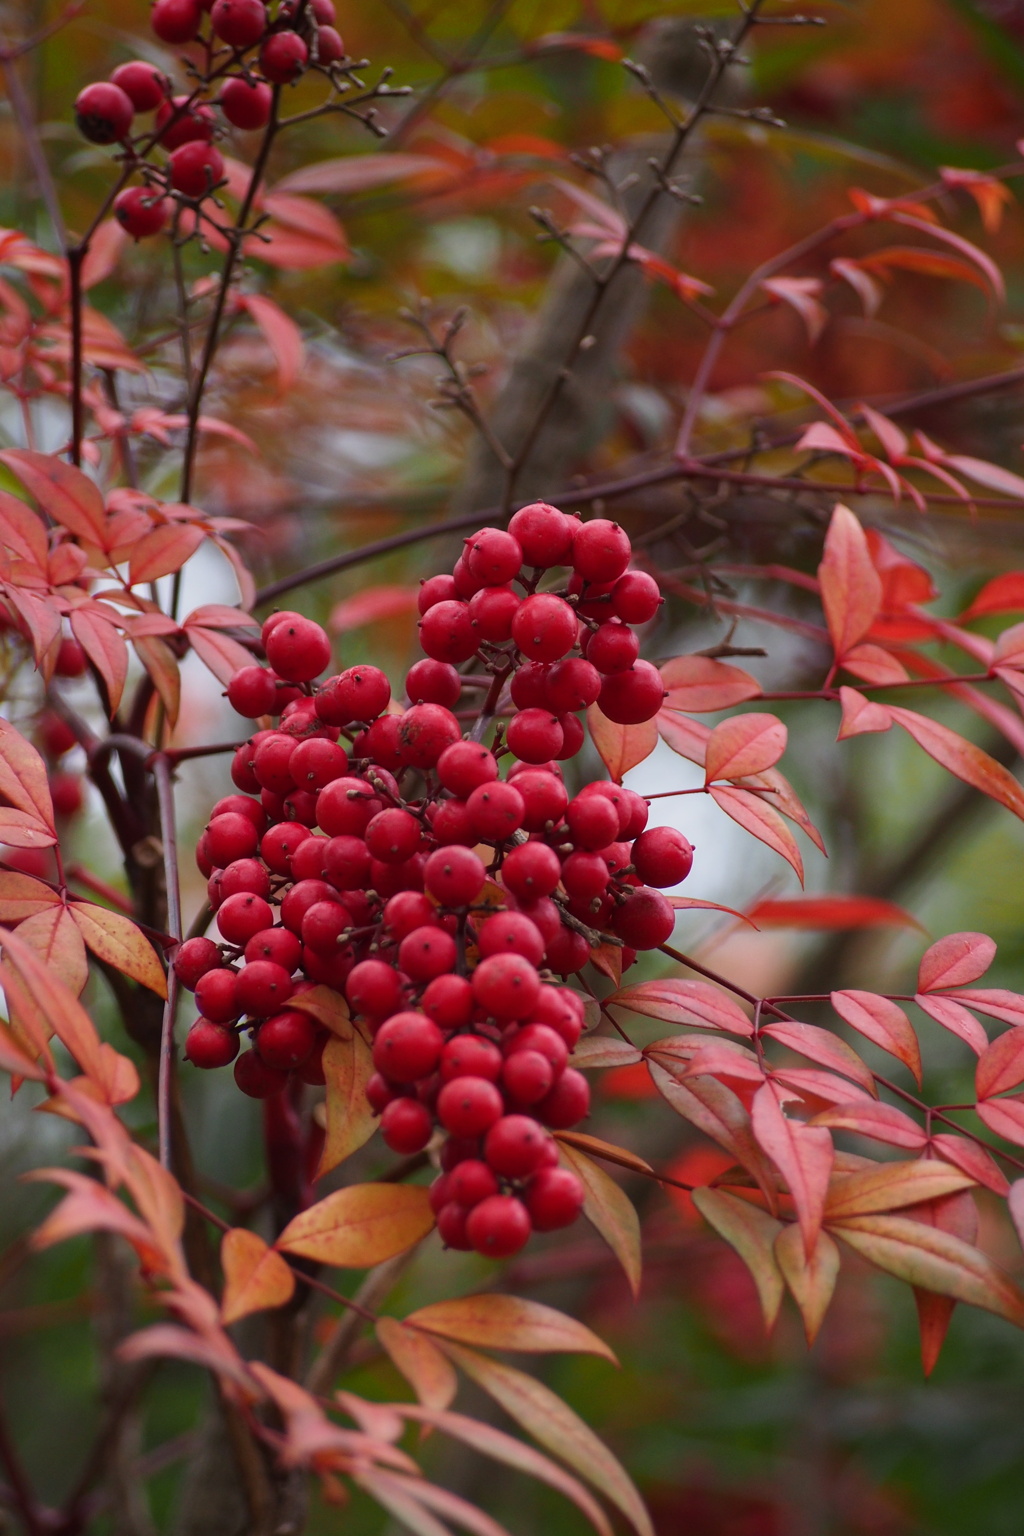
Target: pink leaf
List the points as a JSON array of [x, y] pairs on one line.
[[759, 819], [1005, 1117], [861, 715], [371, 606], [676, 1001], [864, 286], [972, 1159], [851, 589], [746, 744], [962, 758], [822, 1046], [954, 961], [1001, 1065], [997, 1002], [702, 684], [360, 173], [954, 1017], [883, 1022], [801, 294], [882, 1122], [281, 334], [993, 476], [803, 1155], [873, 664]]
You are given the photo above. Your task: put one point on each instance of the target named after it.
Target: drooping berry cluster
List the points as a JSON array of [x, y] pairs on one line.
[[247, 50], [441, 899]]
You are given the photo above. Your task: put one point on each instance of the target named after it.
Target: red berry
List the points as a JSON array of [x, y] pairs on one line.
[[498, 1227], [544, 797], [469, 1106], [345, 863], [567, 1103], [406, 1125], [636, 597], [516, 1146], [470, 1182], [531, 870], [303, 895], [325, 927], [255, 1078], [545, 627], [243, 914], [572, 684], [510, 933], [393, 836], [433, 682], [360, 693], [283, 57], [455, 876], [613, 647], [316, 763], [593, 821], [534, 735], [231, 836], [426, 953], [379, 1093], [573, 737], [585, 876], [466, 584], [380, 742], [239, 23], [562, 1010], [470, 1056], [493, 556], [176, 21], [529, 685], [527, 1076], [451, 823], [242, 775], [329, 46], [217, 995], [567, 952], [447, 633], [554, 1199], [141, 211], [495, 811], [71, 659], [601, 550], [331, 970], [406, 912], [662, 856], [103, 112], [179, 122], [506, 986], [548, 1042], [424, 732], [545, 534], [644, 920], [263, 987], [286, 1040], [252, 692], [244, 806], [311, 1070], [55, 735], [438, 1193], [631, 697], [271, 760], [278, 844], [448, 1000], [297, 649], [545, 916], [246, 105], [436, 589], [210, 1045], [407, 1047], [373, 989], [464, 766], [639, 811], [246, 876], [143, 84], [491, 611], [277, 944], [193, 959], [451, 1226], [346, 806]]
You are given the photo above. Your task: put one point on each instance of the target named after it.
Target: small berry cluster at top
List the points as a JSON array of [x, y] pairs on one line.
[[442, 900], [247, 50]]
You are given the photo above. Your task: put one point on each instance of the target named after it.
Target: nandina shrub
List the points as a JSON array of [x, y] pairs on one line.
[[428, 908]]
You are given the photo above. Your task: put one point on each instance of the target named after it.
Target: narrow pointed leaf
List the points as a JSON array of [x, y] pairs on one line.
[[56, 941], [882, 1122], [954, 1017], [752, 1233], [973, 1159], [23, 779], [427, 1370], [714, 1109], [493, 1321], [22, 895], [61, 491], [822, 1046], [811, 1277], [678, 1001], [963, 759], [888, 1186], [851, 589], [803, 1155], [348, 1067], [1001, 1065], [1005, 1117], [883, 1022], [761, 820], [608, 1208]]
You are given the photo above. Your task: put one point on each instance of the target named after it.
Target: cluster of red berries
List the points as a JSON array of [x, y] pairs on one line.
[[301, 34], [449, 961]]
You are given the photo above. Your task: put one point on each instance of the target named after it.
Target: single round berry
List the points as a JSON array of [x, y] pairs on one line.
[[297, 649], [426, 953], [527, 1076], [379, 1092], [451, 1226], [283, 57], [585, 876], [510, 933], [435, 589], [286, 1039], [406, 912], [243, 914], [544, 797], [239, 23], [325, 927], [531, 870], [424, 732], [506, 986], [613, 647], [567, 953], [454, 875], [662, 856], [394, 835], [448, 1000], [278, 844], [143, 84], [303, 895], [271, 762], [516, 1146], [141, 211], [498, 1227], [554, 1199], [572, 684], [433, 682], [638, 813], [470, 1182], [529, 685], [545, 627], [447, 633], [450, 822], [242, 775], [469, 1106], [180, 121], [231, 836], [252, 692], [464, 766], [466, 584], [346, 806], [277, 944], [373, 989], [470, 1056], [316, 763], [193, 959], [644, 920], [380, 741], [592, 820], [103, 112], [491, 611], [246, 104], [345, 863], [543, 1039], [359, 693], [562, 1009], [633, 696], [263, 988], [407, 1047], [601, 550], [255, 1078], [573, 737], [330, 48], [71, 659], [568, 1102], [534, 735], [545, 535], [636, 597], [217, 996], [176, 21], [493, 556], [210, 1045], [495, 811]]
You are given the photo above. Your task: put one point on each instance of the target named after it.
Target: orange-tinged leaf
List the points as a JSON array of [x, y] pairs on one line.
[[973, 1159], [359, 1226], [800, 293], [1004, 1116], [91, 1207], [493, 1321], [61, 491], [861, 715], [811, 1277], [752, 1233], [14, 1060], [607, 958], [914, 258], [873, 664], [888, 1186], [328, 1007], [724, 1060], [23, 532], [954, 961], [360, 173], [865, 287], [701, 684], [23, 779], [427, 1370], [1003, 594], [822, 1046], [116, 939], [676, 1001], [934, 1260], [22, 895], [967, 248], [743, 745], [851, 589], [53, 937], [595, 1147], [348, 1067], [163, 551], [620, 747], [757, 816], [255, 1277], [281, 334], [687, 737], [1001, 1065], [162, 665], [831, 912], [714, 1109], [883, 1022], [882, 1122], [803, 1155], [819, 1090], [554, 1424], [604, 1051], [608, 1208], [962, 758], [954, 1017]]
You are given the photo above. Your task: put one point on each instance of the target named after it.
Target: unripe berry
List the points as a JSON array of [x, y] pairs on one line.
[[103, 112], [469, 1106], [644, 920], [498, 1227], [662, 856], [601, 550], [534, 735], [196, 169], [531, 870], [447, 633], [176, 21], [407, 1047], [554, 1199], [406, 1126], [631, 697], [506, 986], [143, 84], [286, 1040], [515, 1146], [239, 23], [493, 556], [193, 959], [454, 875], [246, 106], [297, 649], [433, 682], [256, 1079], [283, 57], [210, 1045], [545, 534], [545, 627]]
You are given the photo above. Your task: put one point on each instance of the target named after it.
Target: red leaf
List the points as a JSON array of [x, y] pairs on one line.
[[851, 589], [372, 605], [914, 258], [764, 823], [360, 173], [675, 1001], [800, 293], [831, 912], [882, 1122], [972, 1159], [23, 779], [716, 1111], [822, 1046], [1001, 1066], [62, 491], [57, 943], [103, 253], [872, 664], [219, 652], [162, 665], [865, 287], [955, 960], [20, 830], [997, 1002], [105, 649], [963, 759], [1005, 1117], [702, 684], [281, 334], [163, 551], [22, 531], [1003, 594], [744, 745], [883, 1022], [803, 1155], [984, 263], [993, 476], [687, 737], [620, 747], [954, 1017]]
